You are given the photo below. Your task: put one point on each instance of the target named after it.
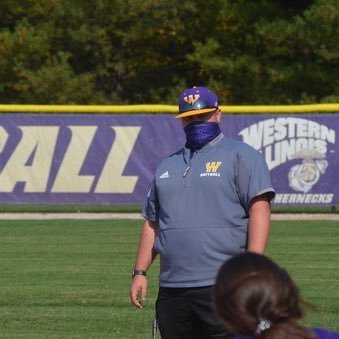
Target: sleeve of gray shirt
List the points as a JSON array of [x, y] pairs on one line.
[[149, 210], [253, 176]]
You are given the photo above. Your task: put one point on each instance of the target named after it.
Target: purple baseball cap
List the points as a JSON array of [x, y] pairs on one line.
[[196, 100]]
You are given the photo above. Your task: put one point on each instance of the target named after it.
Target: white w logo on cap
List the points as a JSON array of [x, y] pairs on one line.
[[191, 99]]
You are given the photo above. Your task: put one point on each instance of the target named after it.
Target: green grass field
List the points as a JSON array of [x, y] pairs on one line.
[[70, 279]]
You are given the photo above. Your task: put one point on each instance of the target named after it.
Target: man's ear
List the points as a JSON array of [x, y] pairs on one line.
[[218, 115]]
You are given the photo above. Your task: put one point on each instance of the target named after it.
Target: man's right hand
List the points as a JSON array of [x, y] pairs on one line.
[[138, 291]]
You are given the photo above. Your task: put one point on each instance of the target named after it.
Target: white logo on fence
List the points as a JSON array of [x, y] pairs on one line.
[[280, 139], [283, 139], [304, 176]]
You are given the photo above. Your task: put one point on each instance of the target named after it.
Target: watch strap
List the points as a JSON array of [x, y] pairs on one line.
[[138, 272]]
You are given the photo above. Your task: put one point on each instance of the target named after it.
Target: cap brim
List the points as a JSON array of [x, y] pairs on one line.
[[195, 112]]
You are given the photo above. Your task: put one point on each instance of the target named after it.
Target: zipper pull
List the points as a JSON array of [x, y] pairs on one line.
[[186, 171]]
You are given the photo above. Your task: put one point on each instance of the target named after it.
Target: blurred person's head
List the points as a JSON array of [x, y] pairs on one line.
[[255, 297]]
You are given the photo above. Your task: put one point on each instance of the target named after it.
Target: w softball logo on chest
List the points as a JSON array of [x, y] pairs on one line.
[[211, 169]]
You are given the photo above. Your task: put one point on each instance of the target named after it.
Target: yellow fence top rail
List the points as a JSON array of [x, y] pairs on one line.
[[125, 109]]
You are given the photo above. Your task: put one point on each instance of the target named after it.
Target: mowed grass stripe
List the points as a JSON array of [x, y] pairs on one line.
[[309, 250], [70, 278]]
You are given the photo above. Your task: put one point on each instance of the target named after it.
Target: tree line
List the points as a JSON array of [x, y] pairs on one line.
[[148, 51]]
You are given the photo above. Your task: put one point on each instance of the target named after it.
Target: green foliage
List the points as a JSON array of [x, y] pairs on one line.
[[147, 51]]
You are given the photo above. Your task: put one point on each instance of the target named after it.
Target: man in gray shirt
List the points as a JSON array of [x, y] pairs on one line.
[[208, 202]]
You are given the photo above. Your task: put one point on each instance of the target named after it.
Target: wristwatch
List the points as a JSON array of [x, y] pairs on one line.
[[138, 272]]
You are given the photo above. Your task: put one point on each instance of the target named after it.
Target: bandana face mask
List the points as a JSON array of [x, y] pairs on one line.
[[200, 133]]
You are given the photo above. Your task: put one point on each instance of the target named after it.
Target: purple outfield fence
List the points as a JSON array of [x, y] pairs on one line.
[[102, 159]]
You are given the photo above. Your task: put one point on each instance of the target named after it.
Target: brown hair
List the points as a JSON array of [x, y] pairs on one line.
[[250, 289]]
